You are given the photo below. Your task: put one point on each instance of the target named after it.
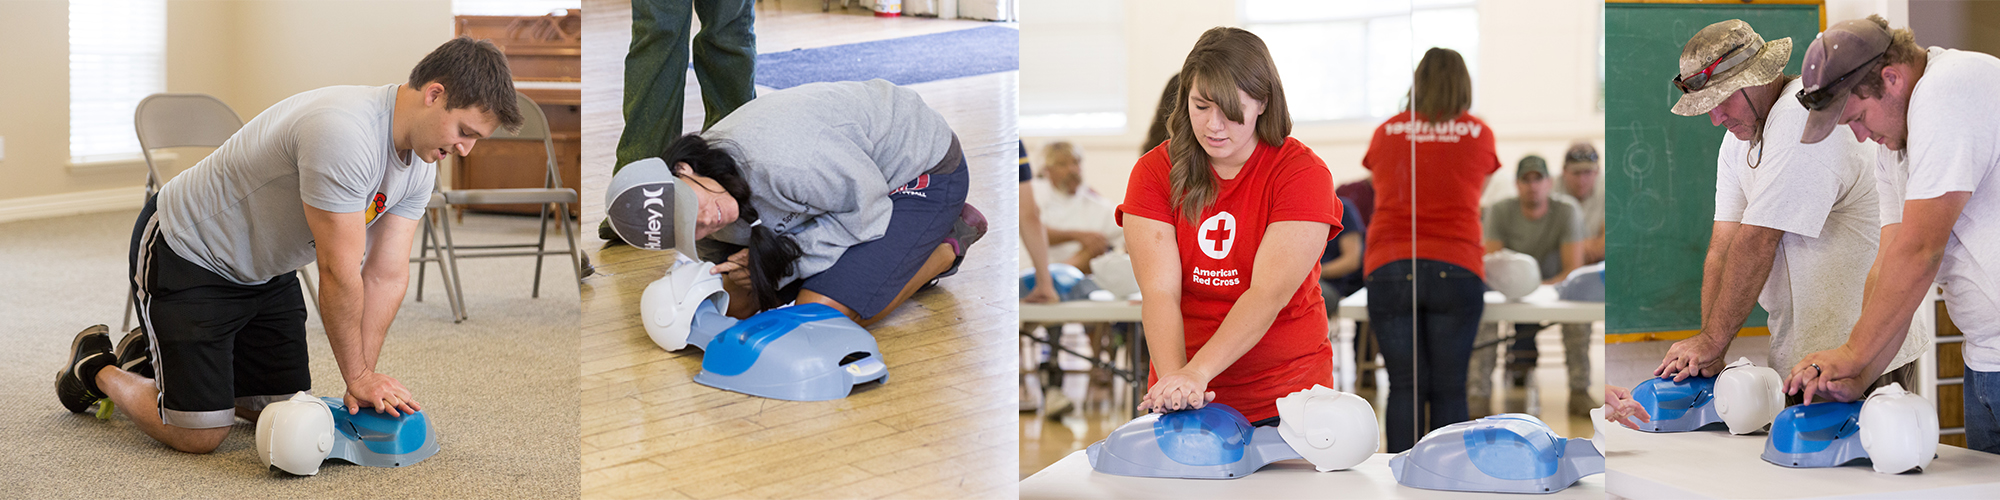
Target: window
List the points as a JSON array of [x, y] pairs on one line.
[[117, 56], [511, 7], [1075, 82], [1353, 60]]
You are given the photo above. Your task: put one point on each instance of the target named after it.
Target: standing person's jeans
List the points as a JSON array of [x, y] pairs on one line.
[[1430, 335], [725, 62], [1982, 411]]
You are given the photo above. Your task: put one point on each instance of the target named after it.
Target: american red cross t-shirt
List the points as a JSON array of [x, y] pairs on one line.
[[1217, 250], [1453, 160]]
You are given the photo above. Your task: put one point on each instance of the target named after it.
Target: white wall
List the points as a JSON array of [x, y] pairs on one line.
[[248, 53], [1537, 84]]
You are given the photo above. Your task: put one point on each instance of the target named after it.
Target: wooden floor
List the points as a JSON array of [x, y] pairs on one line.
[[943, 427]]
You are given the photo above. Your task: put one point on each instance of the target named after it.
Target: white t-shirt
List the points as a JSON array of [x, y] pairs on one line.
[[1954, 143], [1083, 211], [1822, 196]]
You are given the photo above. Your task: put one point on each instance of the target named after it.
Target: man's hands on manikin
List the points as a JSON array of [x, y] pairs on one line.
[[378, 391], [1699, 355]]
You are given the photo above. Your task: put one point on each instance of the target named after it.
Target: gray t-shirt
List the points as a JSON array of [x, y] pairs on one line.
[[1593, 209], [238, 213], [1539, 238], [822, 158]]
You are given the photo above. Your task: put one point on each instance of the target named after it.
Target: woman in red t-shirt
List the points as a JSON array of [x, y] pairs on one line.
[[1225, 223], [1424, 260]]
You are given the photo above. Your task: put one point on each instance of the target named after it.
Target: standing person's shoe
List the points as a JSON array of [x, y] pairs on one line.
[[609, 236], [1580, 402], [135, 354], [76, 384]]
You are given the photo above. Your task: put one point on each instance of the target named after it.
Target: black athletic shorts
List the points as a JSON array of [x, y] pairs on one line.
[[216, 345]]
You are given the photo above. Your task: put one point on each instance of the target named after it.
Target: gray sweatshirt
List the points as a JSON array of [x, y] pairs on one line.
[[821, 159]]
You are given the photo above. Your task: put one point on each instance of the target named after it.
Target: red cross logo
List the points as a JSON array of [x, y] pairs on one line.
[[1217, 235]]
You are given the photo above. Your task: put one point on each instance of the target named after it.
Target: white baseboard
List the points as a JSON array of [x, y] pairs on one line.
[[84, 202]]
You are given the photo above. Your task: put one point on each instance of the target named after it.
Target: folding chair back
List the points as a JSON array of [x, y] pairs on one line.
[[181, 120]]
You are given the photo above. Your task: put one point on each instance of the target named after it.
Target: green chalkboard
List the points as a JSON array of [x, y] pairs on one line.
[[1659, 167]]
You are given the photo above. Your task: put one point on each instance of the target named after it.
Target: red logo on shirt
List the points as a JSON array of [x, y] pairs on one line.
[[380, 204], [1218, 235], [922, 181]]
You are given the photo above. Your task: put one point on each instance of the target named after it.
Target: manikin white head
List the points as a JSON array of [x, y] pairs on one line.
[[1513, 274], [1334, 430], [1899, 429], [295, 435], [1748, 397]]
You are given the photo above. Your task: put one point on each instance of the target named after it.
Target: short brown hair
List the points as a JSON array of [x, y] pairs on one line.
[[1441, 89], [474, 73], [1063, 150], [1223, 61], [1903, 49]]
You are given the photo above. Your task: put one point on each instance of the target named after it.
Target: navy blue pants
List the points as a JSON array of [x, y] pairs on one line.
[[1982, 410], [868, 276], [1425, 314]]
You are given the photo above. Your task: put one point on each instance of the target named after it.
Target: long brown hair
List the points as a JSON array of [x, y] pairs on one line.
[[1223, 61], [1442, 87]]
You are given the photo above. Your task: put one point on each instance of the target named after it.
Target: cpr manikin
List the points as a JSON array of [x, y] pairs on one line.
[[1899, 429], [1900, 426], [1748, 397], [807, 352], [1513, 274], [1505, 453], [1332, 430], [1681, 406], [297, 434]]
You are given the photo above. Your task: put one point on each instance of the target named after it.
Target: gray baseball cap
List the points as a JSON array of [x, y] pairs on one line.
[[649, 209], [1831, 72]]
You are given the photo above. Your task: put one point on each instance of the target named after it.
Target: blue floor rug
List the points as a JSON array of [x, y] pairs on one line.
[[902, 61]]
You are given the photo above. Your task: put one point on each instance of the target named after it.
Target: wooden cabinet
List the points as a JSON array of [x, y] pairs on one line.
[[545, 55]]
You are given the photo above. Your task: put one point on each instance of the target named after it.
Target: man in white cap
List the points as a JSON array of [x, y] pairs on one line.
[[1931, 111], [1794, 223]]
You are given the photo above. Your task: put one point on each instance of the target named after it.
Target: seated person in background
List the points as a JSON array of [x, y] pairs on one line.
[[1078, 220], [1340, 264], [1579, 185], [1550, 229], [1361, 194]]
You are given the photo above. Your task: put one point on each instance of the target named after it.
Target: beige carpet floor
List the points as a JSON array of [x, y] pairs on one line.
[[501, 387]]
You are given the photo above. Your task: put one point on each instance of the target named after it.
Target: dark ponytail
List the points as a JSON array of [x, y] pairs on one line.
[[772, 255]]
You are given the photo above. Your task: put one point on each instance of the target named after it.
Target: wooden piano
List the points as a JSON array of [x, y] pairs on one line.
[[545, 55]]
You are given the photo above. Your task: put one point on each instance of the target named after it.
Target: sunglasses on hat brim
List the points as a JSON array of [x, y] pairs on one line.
[[1700, 79], [1824, 96]]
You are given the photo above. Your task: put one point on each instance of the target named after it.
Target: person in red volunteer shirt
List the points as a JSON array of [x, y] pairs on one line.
[[1225, 223], [1424, 264]]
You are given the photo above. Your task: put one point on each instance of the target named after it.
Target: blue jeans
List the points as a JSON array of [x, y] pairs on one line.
[[1425, 314], [1982, 411]]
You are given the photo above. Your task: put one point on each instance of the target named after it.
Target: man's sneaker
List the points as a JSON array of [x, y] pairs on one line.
[[134, 353], [971, 225], [76, 384]]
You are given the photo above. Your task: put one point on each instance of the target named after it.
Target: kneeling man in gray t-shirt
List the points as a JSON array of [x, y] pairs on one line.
[[337, 176]]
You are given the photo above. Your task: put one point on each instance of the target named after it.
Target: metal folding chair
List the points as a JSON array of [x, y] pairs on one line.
[[554, 199], [434, 218]]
